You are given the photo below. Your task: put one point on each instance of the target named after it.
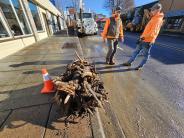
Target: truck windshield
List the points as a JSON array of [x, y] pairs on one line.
[[87, 15]]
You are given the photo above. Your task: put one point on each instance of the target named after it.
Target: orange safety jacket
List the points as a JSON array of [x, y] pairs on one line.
[[152, 29], [106, 27]]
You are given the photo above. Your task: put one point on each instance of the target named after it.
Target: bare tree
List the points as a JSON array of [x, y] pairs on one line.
[[129, 4], [109, 4], [75, 4], [125, 4]]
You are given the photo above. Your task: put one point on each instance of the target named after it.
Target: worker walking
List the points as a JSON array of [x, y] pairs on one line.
[[113, 31], [147, 39]]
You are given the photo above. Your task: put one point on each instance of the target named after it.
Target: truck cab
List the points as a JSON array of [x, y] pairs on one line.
[[87, 24]]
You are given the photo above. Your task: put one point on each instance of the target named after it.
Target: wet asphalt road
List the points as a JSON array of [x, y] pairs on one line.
[[147, 103]]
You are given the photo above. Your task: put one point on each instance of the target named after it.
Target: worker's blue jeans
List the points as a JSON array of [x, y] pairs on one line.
[[144, 48]]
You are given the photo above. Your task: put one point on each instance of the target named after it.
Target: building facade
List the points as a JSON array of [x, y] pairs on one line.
[[174, 15], [24, 22]]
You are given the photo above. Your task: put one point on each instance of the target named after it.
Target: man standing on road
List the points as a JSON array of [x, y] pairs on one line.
[[113, 30], [147, 39]]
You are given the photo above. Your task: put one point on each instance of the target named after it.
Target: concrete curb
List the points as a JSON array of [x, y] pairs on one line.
[[98, 131]]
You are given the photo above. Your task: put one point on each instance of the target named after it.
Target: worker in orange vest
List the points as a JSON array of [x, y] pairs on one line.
[[148, 37], [113, 31]]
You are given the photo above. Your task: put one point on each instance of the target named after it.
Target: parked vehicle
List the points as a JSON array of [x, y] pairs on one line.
[[138, 17], [87, 24]]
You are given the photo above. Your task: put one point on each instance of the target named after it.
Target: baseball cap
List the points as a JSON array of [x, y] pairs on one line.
[[157, 6]]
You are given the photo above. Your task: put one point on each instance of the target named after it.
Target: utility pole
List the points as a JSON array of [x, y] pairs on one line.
[[81, 5], [81, 13]]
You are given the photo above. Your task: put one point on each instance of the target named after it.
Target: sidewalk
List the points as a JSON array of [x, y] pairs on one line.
[[24, 112]]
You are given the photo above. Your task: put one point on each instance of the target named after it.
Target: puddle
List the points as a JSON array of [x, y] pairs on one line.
[[69, 45]]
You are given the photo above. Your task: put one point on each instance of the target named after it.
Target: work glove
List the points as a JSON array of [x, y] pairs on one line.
[[139, 40]]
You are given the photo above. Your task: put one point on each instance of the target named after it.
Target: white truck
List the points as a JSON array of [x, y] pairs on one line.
[[86, 25]]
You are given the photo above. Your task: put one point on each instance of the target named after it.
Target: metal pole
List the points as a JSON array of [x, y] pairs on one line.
[[67, 21], [113, 6], [81, 15]]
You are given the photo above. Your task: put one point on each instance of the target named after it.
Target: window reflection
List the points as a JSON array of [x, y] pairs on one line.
[[10, 16], [53, 23], [3, 32], [21, 16], [36, 16]]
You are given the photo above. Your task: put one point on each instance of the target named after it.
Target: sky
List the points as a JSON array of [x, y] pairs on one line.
[[98, 5], [142, 2]]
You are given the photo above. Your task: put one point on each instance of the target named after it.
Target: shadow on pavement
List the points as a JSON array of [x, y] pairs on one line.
[[109, 67], [52, 62], [116, 71], [100, 62]]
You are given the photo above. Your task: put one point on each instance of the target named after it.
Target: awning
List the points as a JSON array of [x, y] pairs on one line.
[[174, 13], [49, 6]]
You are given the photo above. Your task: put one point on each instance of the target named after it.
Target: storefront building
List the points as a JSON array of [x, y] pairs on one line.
[[24, 22]]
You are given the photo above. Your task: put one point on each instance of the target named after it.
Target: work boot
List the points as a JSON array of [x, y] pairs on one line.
[[126, 64], [107, 61], [111, 62]]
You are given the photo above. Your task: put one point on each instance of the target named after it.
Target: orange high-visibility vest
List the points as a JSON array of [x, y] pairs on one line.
[[108, 31]]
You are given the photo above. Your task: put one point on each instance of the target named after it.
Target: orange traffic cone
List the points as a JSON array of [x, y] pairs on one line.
[[48, 84]]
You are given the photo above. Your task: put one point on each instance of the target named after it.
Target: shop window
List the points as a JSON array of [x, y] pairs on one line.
[[36, 16], [10, 17], [22, 18], [53, 23], [3, 31]]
